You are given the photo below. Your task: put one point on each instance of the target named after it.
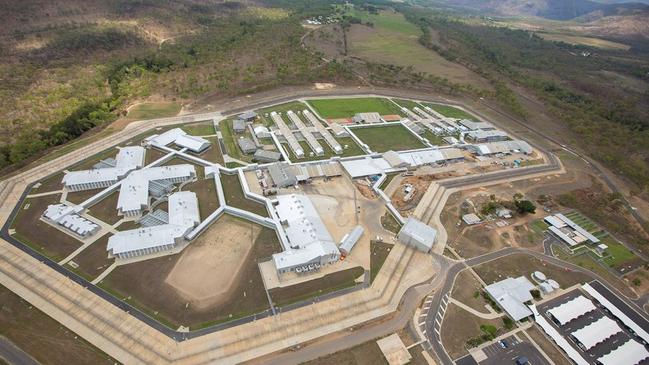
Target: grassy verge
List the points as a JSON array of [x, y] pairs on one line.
[[449, 111], [379, 252], [153, 110], [346, 108]]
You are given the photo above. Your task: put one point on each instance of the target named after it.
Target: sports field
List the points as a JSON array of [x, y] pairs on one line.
[[346, 108], [388, 137]]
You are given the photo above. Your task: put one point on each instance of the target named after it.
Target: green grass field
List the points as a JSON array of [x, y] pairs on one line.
[[346, 108], [433, 138], [385, 138], [407, 103], [153, 110], [199, 129], [449, 111]]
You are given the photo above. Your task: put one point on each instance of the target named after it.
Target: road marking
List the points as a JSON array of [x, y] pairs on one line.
[[426, 308], [436, 331], [437, 321], [423, 331], [420, 323]]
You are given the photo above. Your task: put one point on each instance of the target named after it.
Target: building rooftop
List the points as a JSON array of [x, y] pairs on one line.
[[365, 166], [301, 221], [422, 233], [127, 159], [134, 192], [502, 147], [572, 309], [596, 332], [511, 295], [630, 353]]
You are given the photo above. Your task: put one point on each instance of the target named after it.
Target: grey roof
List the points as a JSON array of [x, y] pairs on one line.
[[246, 145], [511, 294], [248, 115], [417, 233], [238, 125], [267, 156], [282, 175]]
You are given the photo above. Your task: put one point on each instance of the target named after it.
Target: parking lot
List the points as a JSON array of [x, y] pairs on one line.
[[602, 348], [511, 349]]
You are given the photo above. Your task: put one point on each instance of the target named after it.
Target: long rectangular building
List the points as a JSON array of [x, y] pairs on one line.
[[180, 138], [298, 151], [596, 332], [331, 141], [571, 309], [127, 160], [310, 139], [504, 147]]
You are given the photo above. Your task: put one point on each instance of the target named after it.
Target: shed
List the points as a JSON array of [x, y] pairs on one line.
[[246, 145], [267, 156], [471, 219], [248, 116], [395, 160], [261, 131], [369, 118], [349, 241], [417, 234], [282, 175], [239, 126]]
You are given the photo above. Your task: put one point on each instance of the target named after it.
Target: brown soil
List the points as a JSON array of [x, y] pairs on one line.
[[521, 264], [106, 209], [367, 353], [51, 183], [641, 274], [152, 155], [42, 337], [40, 235], [78, 197], [459, 326], [420, 183], [205, 190], [93, 260], [144, 283], [465, 288], [365, 190]]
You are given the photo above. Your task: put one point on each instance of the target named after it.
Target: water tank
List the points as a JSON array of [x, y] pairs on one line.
[[539, 276]]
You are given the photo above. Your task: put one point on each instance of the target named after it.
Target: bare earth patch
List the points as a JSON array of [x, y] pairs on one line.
[[218, 254]]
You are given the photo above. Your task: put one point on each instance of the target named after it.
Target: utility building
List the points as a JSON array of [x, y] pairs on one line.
[[180, 138], [511, 295], [349, 241], [417, 234], [246, 145], [282, 175], [367, 118], [67, 217]]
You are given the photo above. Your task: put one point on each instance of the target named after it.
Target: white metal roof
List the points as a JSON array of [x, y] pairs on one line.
[[288, 134], [193, 143], [349, 241], [572, 353], [596, 332], [572, 309], [554, 221], [310, 139], [365, 166], [615, 311], [134, 192], [502, 147], [563, 236], [78, 224], [394, 159], [55, 212], [577, 228], [429, 156], [511, 294], [470, 124], [183, 215], [127, 159], [166, 137], [482, 134], [419, 231], [301, 221], [296, 257], [630, 353]]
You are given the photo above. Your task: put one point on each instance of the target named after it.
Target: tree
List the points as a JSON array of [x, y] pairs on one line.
[[508, 322], [525, 206], [536, 294]]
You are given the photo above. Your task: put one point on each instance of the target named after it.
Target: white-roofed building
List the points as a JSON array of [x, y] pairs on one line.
[[568, 231], [417, 234], [502, 147], [66, 217], [349, 241], [127, 160], [630, 353], [311, 245], [134, 192], [338, 130], [180, 138], [596, 332], [367, 166], [395, 160], [432, 156], [183, 217], [511, 295], [369, 118], [192, 143], [261, 131], [487, 136], [571, 309], [473, 125]]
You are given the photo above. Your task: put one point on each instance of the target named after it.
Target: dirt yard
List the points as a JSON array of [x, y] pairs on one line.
[[465, 288], [143, 284], [219, 253], [420, 183], [459, 326], [93, 260]]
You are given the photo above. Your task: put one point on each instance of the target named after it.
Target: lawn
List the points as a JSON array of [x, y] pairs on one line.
[[346, 108], [316, 287], [234, 196], [379, 252], [433, 138], [449, 111], [199, 129], [153, 110], [387, 180], [388, 137], [390, 223], [618, 255], [352, 149], [407, 103], [230, 141]]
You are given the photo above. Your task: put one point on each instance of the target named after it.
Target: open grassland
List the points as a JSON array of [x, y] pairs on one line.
[[388, 137], [153, 110], [346, 108], [449, 111], [584, 41], [42, 337], [367, 353], [394, 40]]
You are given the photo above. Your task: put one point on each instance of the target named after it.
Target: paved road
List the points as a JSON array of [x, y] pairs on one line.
[[13, 355]]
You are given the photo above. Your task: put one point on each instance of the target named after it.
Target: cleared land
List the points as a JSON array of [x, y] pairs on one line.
[[346, 108], [312, 288], [106, 209], [585, 41], [93, 260], [394, 40], [459, 326], [42, 337], [234, 196], [467, 289], [367, 353], [39, 235], [388, 137], [522, 264], [449, 111], [153, 110], [390, 223], [219, 254], [152, 294]]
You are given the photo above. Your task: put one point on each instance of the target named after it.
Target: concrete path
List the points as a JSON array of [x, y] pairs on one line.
[[105, 273], [475, 312], [38, 195]]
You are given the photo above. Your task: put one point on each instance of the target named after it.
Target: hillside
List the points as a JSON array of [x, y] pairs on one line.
[[550, 9]]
